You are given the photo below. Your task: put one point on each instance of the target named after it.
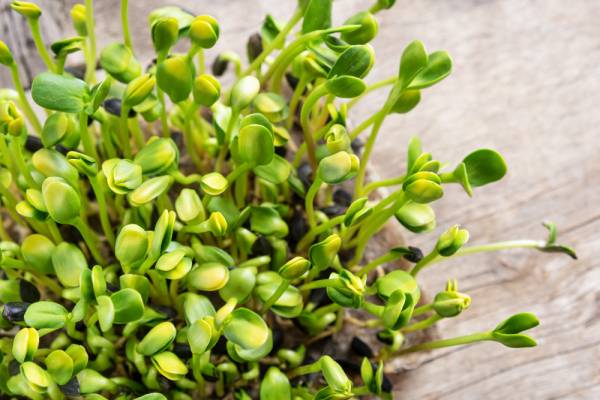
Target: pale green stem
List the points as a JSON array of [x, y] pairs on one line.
[[16, 147], [34, 24], [370, 88], [225, 147], [276, 43], [161, 99], [388, 257], [385, 182], [295, 99], [275, 296], [309, 139], [124, 131], [310, 199], [138, 135], [510, 244], [90, 240], [90, 71], [8, 158], [25, 106], [425, 261], [422, 310], [436, 344], [237, 172], [317, 230], [54, 232], [102, 210], [424, 324], [86, 136], [125, 23], [387, 107], [363, 125]]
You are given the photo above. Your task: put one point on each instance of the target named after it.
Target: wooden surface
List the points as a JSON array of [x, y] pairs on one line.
[[526, 82]]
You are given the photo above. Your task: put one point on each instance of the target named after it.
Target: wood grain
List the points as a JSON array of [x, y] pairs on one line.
[[526, 81]]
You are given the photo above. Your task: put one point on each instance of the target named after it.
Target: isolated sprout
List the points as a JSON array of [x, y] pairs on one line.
[[165, 235]]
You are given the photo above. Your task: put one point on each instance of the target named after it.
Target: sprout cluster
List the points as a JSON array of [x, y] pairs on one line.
[[164, 237]]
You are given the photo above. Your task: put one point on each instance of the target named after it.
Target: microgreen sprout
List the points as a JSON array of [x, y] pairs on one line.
[[168, 237]]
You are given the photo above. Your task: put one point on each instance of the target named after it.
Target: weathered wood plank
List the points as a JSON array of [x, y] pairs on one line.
[[526, 83]]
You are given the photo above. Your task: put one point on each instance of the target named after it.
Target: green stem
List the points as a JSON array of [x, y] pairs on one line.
[[436, 344], [424, 324], [124, 131], [34, 24], [275, 296], [3, 234], [425, 261], [233, 118], [371, 88], [54, 231], [377, 123], [305, 369], [510, 244], [295, 99], [275, 43], [237, 172], [25, 106], [201, 61], [317, 230], [364, 125], [125, 23], [388, 257], [8, 158], [310, 199], [161, 99], [138, 135], [16, 146], [86, 136], [375, 224], [90, 240], [385, 182], [90, 70], [309, 139], [102, 210], [422, 310]]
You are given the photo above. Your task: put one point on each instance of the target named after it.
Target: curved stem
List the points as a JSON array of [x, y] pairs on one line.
[[310, 199], [363, 125], [385, 182], [295, 99], [90, 70], [424, 324], [237, 172], [25, 106], [388, 257], [90, 240], [34, 24], [425, 261], [309, 139], [371, 88], [125, 23]]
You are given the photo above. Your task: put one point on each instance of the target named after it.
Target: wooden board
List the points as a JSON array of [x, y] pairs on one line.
[[526, 82]]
